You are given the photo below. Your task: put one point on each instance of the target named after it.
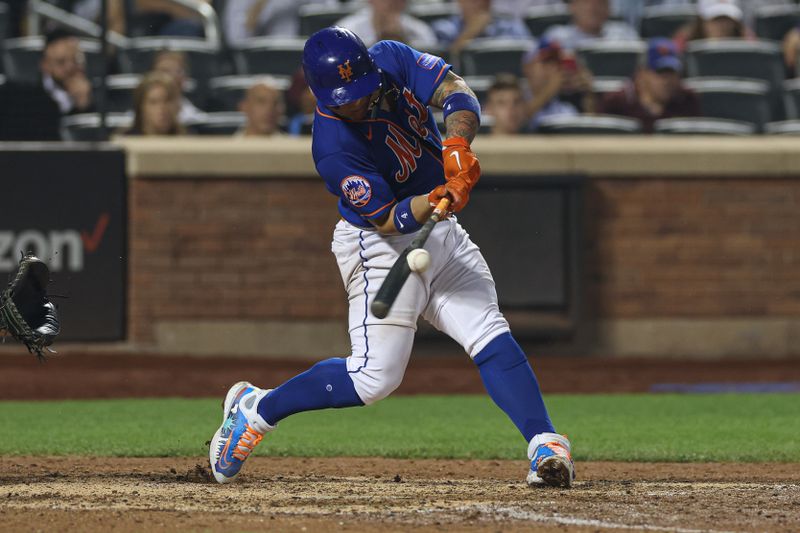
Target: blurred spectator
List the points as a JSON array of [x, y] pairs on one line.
[[791, 45], [656, 90], [163, 17], [590, 22], [245, 19], [302, 102], [632, 10], [717, 19], [505, 105], [64, 77], [265, 110], [386, 19], [156, 102], [91, 10], [176, 65], [557, 84], [477, 21], [34, 112]]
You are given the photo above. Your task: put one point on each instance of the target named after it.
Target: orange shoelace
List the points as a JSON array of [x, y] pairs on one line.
[[249, 440]]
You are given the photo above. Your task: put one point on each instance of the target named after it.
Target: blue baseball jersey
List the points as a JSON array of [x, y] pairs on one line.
[[372, 164]]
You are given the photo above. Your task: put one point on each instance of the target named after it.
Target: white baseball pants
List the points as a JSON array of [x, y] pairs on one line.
[[456, 295]]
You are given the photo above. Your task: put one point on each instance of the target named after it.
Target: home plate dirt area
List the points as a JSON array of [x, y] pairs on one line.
[[373, 494]]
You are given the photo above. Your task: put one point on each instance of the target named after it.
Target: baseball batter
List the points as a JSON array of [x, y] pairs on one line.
[[377, 146]]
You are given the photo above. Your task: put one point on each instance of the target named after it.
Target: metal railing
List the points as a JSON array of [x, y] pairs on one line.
[[38, 9]]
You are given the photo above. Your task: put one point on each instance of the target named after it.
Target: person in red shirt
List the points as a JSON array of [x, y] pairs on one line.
[[656, 90]]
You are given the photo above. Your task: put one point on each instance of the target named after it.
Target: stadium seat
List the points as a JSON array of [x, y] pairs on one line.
[[791, 98], [703, 126], [737, 58], [86, 126], [665, 20], [612, 58], [589, 124], [22, 55], [434, 11], [602, 85], [270, 55], [314, 17], [786, 127], [538, 19], [487, 57], [220, 123], [773, 22], [227, 91], [732, 98], [120, 87]]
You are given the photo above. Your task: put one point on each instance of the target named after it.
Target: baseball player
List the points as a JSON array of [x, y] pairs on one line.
[[377, 146]]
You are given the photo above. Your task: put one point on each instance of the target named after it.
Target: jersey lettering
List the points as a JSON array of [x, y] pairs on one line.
[[417, 123], [407, 151]]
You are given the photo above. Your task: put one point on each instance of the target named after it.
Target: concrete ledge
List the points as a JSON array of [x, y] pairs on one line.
[[606, 156], [312, 339], [668, 337], [698, 338]]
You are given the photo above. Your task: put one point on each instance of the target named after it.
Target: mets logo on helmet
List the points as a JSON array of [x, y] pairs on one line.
[[345, 71], [357, 190]]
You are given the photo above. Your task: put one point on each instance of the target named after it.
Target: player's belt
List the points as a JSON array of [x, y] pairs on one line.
[[356, 225]]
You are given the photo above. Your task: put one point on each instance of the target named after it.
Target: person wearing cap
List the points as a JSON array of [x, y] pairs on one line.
[[656, 91], [590, 22], [716, 19], [556, 84]]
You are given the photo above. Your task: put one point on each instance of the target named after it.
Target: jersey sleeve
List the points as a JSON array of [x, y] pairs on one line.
[[419, 71], [358, 184]]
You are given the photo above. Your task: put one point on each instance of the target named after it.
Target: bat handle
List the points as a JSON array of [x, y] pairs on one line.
[[439, 212], [441, 209]]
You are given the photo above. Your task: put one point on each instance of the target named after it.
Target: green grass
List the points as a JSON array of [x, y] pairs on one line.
[[725, 427]]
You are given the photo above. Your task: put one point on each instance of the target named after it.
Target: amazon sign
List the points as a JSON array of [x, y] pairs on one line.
[[67, 205]]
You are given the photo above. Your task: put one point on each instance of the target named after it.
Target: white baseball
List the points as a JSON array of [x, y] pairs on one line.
[[418, 260]]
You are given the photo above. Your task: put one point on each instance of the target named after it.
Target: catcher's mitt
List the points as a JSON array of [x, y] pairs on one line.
[[25, 311]]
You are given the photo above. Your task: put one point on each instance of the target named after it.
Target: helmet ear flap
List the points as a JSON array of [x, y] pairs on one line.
[[338, 67]]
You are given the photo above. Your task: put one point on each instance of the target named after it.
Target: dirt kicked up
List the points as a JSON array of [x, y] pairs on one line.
[[371, 494]]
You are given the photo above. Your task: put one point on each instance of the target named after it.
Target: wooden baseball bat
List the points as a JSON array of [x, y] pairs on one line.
[[400, 270]]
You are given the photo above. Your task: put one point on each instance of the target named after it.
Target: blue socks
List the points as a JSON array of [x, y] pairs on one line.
[[512, 385], [326, 384], [503, 366]]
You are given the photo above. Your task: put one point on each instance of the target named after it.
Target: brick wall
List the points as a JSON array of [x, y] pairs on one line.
[[693, 248], [253, 249], [242, 249]]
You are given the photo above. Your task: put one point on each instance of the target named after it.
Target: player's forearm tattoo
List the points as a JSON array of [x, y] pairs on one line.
[[461, 123]]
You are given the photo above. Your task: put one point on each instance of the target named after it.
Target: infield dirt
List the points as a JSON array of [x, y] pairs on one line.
[[369, 494], [373, 494]]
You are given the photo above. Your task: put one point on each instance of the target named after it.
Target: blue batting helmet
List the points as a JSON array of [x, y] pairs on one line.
[[338, 67]]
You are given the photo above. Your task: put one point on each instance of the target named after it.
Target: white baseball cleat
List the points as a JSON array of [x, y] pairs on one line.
[[551, 461], [241, 430]]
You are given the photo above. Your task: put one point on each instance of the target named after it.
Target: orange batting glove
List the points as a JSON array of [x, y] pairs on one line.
[[456, 189], [460, 161]]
